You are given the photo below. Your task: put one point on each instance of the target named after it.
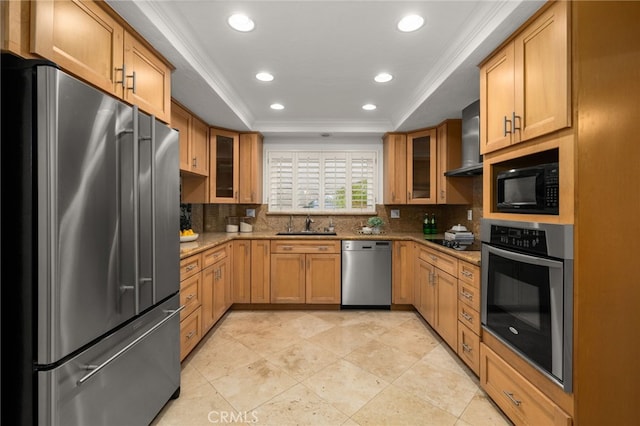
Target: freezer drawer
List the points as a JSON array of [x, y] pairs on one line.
[[129, 390]]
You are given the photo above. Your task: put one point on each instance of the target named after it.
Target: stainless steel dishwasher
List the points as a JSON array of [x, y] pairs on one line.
[[366, 274]]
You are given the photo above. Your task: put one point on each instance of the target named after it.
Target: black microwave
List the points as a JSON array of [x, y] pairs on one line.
[[529, 190]]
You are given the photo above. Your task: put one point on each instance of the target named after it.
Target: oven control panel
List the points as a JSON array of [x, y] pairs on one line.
[[529, 240]]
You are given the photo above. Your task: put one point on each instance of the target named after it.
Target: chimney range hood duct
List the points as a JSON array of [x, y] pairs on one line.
[[471, 159]]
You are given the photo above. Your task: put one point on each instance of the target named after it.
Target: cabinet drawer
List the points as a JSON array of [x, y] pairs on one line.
[[469, 295], [469, 347], [190, 295], [190, 332], [469, 317], [469, 273], [305, 246], [519, 399], [444, 262], [214, 255], [190, 266]]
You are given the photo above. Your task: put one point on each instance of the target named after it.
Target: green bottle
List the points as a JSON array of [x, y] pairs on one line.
[[433, 228], [426, 225]]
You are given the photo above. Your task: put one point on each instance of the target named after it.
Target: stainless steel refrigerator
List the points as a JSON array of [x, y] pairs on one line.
[[90, 253]]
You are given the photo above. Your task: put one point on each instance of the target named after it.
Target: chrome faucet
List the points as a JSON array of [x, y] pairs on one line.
[[307, 224], [290, 227]]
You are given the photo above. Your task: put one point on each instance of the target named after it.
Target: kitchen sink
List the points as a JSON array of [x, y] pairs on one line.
[[311, 233]]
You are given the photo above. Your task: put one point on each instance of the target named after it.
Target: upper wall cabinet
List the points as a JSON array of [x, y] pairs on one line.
[[525, 86], [250, 168], [91, 42], [395, 168], [451, 190], [224, 148], [194, 141], [421, 167], [414, 166]]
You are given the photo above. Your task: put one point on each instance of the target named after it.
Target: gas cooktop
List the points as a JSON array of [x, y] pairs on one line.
[[456, 245]]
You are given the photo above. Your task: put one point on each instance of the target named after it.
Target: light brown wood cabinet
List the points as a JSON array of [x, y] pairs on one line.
[[451, 190], [403, 273], [191, 299], [91, 41], [250, 180], [603, 74], [260, 271], [525, 87], [305, 271], [224, 166], [194, 140], [519, 399], [415, 163], [216, 284], [395, 168], [241, 276], [421, 167], [469, 328], [438, 290]]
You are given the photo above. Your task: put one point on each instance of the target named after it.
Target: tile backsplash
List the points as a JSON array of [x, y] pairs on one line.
[[213, 217]]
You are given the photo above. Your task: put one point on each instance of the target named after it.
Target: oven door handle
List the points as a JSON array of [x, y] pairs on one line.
[[524, 258]]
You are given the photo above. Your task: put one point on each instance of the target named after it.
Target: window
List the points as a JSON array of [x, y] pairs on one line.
[[324, 182]]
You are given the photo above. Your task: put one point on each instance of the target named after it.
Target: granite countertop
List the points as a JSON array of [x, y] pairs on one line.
[[209, 240]]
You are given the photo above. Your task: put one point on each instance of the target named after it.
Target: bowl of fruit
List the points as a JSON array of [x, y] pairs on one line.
[[187, 235]]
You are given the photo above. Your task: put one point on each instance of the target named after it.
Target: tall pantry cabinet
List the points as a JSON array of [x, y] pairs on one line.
[[597, 150]]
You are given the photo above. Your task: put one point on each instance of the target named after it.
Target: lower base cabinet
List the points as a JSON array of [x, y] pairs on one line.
[[469, 328], [190, 332], [305, 271], [436, 290], [216, 285], [518, 398]]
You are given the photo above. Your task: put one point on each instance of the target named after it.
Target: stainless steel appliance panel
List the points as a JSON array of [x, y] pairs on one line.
[[123, 380], [166, 211], [78, 217], [366, 273]]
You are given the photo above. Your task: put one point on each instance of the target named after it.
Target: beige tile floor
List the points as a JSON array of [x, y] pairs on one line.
[[327, 368]]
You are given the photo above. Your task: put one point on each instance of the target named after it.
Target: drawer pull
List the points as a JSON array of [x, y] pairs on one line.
[[191, 296], [434, 258], [467, 273], [289, 248], [323, 248], [191, 267], [191, 334], [467, 316], [466, 348], [512, 398], [466, 295]]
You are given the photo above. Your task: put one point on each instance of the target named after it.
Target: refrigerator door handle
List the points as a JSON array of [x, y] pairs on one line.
[[136, 210], [152, 279], [95, 369]]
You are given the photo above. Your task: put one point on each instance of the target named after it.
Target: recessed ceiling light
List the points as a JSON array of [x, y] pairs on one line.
[[240, 22], [264, 76], [277, 106], [410, 23], [383, 77], [369, 107]]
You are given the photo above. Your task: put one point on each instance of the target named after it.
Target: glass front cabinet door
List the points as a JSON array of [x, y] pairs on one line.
[[421, 167], [225, 164]]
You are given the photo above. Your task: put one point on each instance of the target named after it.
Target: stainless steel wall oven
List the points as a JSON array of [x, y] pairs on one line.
[[527, 292]]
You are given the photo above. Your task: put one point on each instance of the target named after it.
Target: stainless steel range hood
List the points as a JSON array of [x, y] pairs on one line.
[[471, 159]]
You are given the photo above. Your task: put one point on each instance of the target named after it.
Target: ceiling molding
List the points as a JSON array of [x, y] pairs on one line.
[[324, 126], [161, 15], [479, 27]]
